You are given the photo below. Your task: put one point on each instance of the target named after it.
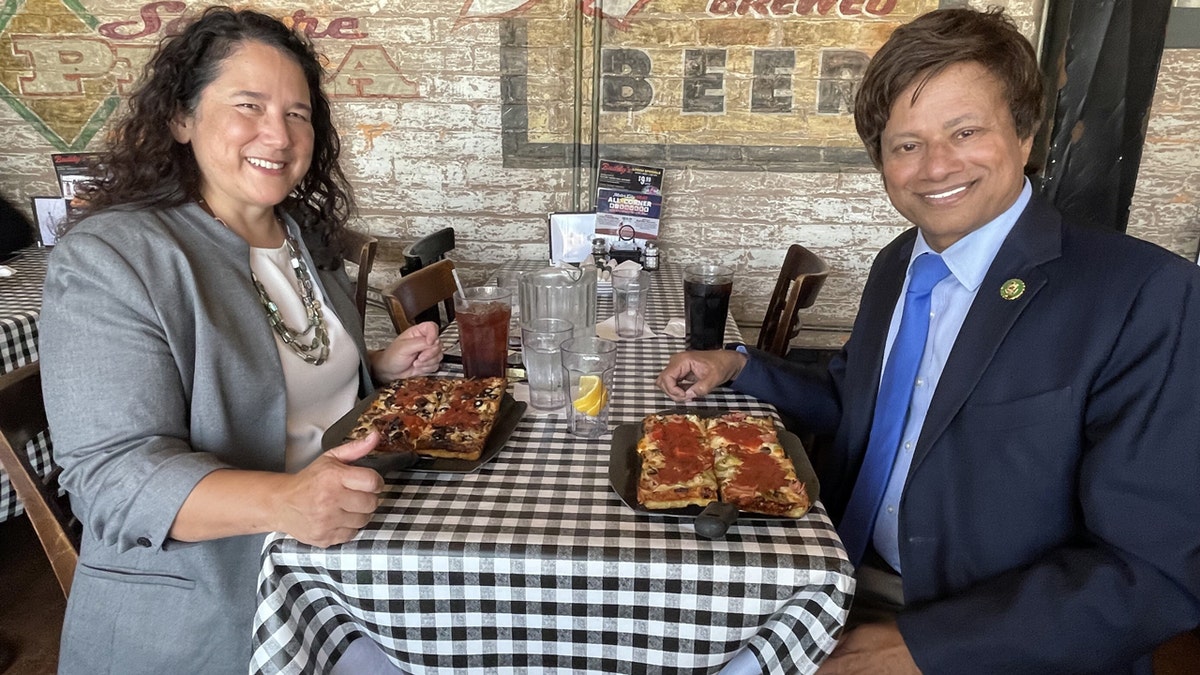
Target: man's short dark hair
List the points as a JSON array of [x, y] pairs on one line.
[[923, 48]]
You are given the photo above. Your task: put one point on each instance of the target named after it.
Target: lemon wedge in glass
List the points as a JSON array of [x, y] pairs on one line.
[[592, 395]]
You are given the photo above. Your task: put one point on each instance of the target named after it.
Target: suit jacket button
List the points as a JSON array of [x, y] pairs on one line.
[[143, 542]]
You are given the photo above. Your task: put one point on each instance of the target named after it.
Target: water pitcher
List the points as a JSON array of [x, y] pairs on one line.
[[566, 292]]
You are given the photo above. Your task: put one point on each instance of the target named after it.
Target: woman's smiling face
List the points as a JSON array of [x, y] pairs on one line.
[[251, 133]]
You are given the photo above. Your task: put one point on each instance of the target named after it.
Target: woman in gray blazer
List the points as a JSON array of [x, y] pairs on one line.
[[196, 338]]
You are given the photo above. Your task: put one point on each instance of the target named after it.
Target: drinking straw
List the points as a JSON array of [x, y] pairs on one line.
[[458, 283]]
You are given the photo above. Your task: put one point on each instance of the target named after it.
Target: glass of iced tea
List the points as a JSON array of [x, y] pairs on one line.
[[482, 313], [706, 291]]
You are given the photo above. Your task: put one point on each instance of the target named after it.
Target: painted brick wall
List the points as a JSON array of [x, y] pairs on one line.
[[460, 115]]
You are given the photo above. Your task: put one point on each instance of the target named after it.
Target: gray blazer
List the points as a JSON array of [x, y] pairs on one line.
[[158, 367]]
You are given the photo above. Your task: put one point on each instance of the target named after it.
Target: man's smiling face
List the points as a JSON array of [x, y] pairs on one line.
[[952, 160]]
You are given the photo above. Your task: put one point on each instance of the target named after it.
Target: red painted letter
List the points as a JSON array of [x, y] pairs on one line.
[[149, 19]]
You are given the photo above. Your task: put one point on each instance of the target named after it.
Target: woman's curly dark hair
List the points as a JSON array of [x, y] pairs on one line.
[[145, 166]]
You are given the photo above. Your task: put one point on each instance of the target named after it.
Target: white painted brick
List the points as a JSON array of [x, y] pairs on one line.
[[408, 33], [468, 88], [424, 115]]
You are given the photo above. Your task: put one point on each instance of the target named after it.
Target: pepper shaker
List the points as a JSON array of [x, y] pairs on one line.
[[599, 251]]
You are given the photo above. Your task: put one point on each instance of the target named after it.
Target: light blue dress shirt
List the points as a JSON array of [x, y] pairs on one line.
[[968, 259]]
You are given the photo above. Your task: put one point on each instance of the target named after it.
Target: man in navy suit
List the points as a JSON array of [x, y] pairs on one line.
[[1041, 507]]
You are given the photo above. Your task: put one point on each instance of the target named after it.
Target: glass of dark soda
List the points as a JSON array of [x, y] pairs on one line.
[[482, 313], [706, 290]]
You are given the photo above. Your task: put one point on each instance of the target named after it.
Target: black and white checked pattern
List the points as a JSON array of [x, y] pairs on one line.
[[533, 563], [20, 307]]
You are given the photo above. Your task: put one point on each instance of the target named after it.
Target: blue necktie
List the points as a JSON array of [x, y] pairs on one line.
[[891, 407]]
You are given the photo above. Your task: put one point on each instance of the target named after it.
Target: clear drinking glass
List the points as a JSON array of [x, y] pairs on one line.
[[589, 363], [631, 288], [482, 316], [541, 349], [706, 291], [511, 280]]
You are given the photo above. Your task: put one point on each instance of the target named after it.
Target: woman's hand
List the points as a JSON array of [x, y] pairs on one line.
[[416, 351], [690, 375], [324, 504], [329, 501]]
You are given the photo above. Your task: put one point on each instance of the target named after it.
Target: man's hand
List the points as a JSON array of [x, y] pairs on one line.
[[871, 649], [690, 375], [416, 351], [329, 501]]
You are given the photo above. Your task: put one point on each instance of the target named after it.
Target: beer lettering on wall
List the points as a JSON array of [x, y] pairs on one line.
[[65, 72], [729, 84]]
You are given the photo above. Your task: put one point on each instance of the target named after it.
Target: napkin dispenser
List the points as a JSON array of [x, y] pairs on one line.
[[621, 255]]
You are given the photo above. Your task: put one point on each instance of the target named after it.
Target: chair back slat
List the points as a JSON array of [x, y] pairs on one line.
[[413, 296], [801, 277], [359, 248], [22, 418], [422, 253]]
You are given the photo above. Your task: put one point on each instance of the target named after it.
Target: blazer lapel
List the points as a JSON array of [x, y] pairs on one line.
[[868, 339], [1034, 240]]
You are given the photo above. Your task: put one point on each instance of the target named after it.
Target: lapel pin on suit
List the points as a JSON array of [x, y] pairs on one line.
[[1012, 289]]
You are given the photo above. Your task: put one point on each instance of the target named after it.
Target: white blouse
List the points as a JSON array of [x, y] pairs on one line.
[[316, 395]]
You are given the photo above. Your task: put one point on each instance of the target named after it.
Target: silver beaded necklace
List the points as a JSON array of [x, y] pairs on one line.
[[316, 350]]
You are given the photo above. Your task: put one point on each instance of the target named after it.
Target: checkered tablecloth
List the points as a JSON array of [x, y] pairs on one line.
[[533, 563], [20, 307]]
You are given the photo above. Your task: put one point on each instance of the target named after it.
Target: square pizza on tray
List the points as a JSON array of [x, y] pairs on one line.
[[433, 416], [677, 463], [688, 460], [754, 471]]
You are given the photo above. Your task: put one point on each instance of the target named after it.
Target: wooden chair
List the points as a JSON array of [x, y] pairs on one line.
[[23, 417], [359, 248], [428, 250], [800, 279], [422, 253], [1179, 655], [417, 295]]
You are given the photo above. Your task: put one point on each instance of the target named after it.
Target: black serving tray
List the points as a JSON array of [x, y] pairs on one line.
[[625, 468]]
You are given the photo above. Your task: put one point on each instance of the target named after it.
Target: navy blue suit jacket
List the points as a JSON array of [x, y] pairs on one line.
[[1048, 523]]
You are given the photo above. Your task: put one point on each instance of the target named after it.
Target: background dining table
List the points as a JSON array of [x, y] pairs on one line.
[[20, 308], [533, 563]]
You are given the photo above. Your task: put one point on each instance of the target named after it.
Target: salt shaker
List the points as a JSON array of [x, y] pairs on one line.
[[650, 256]]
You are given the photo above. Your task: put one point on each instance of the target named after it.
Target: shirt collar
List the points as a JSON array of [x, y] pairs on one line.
[[970, 257]]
